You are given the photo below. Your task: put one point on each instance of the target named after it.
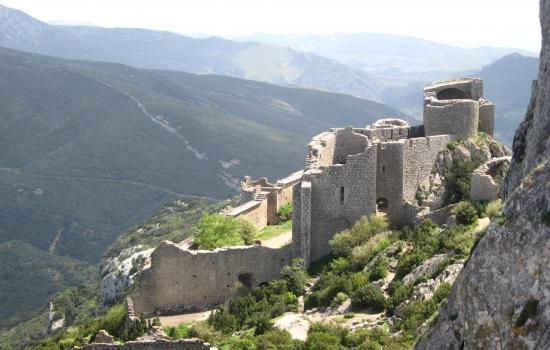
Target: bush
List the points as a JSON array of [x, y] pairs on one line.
[[247, 230], [442, 292], [295, 276], [216, 231], [415, 314], [202, 330], [285, 212], [398, 294], [466, 213], [179, 332], [223, 321], [458, 239], [339, 299], [276, 339], [494, 209], [408, 262], [379, 269], [360, 233], [361, 255], [326, 336], [368, 296]]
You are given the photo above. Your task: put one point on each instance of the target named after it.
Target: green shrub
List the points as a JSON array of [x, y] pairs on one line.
[[216, 231], [379, 269], [295, 276], [179, 332], [494, 209], [451, 145], [326, 336], [202, 330], [365, 228], [398, 294], [458, 239], [285, 212], [466, 213], [368, 296], [223, 321], [276, 339], [442, 292], [415, 314], [361, 255], [247, 231], [529, 311], [237, 343], [408, 262], [339, 299]]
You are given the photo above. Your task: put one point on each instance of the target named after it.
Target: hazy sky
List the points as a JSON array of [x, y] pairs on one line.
[[467, 23]]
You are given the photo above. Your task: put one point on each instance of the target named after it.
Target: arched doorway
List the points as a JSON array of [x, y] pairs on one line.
[[451, 94], [246, 279], [382, 206]]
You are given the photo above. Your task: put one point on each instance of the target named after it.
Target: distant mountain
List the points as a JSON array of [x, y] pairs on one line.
[[151, 49], [389, 56], [508, 82], [89, 149]]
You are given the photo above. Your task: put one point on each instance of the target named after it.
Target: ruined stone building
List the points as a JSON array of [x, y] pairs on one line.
[[353, 172], [349, 172]]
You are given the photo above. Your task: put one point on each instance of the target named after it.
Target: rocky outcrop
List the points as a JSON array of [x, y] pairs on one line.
[[531, 143], [501, 299]]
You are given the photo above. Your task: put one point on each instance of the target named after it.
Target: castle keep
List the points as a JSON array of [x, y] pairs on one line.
[[349, 172]]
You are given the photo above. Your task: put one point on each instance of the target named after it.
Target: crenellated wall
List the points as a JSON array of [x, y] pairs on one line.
[[183, 280]]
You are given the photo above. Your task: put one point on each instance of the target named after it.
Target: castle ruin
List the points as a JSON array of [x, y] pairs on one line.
[[349, 173]]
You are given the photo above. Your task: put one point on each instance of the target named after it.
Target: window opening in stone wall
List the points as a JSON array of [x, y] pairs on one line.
[[383, 168], [451, 94], [341, 195], [382, 206]]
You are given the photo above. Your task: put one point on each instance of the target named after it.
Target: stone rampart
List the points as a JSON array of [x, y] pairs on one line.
[[181, 344], [320, 151], [184, 280], [348, 143], [255, 211]]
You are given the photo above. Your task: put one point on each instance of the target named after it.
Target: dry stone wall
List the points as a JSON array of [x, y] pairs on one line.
[[184, 280]]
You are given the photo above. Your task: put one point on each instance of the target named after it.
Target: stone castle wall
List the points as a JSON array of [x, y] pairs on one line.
[[181, 344], [389, 177], [458, 118], [320, 151], [487, 118], [183, 280], [254, 211], [332, 200]]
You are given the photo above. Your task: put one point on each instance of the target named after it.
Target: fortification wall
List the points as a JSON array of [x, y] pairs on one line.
[[389, 176], [389, 129], [184, 280], [338, 196], [254, 211], [458, 118], [483, 185], [181, 344], [348, 143], [320, 151], [487, 117], [420, 155]]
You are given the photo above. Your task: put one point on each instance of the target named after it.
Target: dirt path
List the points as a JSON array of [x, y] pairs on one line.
[[176, 320], [278, 241], [482, 224]]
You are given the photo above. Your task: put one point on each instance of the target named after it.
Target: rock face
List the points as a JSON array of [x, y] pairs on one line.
[[501, 299], [531, 142]]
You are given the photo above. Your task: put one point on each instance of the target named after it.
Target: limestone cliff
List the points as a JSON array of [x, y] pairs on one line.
[[501, 299], [532, 142]]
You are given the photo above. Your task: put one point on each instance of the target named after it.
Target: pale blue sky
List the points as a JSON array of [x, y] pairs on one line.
[[466, 23]]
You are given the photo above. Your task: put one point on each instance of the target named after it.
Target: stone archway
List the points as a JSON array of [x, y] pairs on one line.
[[247, 279], [451, 94]]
